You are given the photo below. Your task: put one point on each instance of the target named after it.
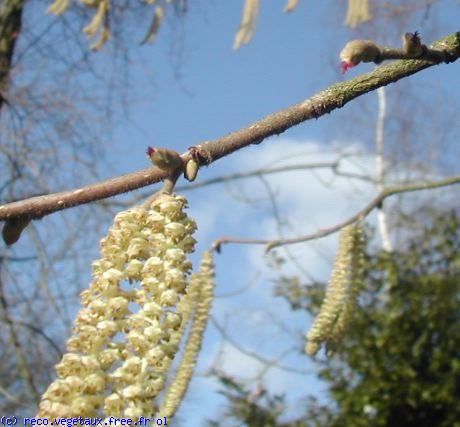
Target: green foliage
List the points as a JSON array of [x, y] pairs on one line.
[[252, 408], [399, 364]]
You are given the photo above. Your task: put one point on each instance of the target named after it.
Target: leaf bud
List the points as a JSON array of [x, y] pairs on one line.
[[191, 170], [13, 228]]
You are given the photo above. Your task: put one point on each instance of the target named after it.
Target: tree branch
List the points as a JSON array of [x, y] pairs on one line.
[[376, 202], [10, 26], [336, 96]]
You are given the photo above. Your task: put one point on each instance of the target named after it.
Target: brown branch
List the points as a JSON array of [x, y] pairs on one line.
[[375, 203], [37, 207], [336, 96], [10, 27]]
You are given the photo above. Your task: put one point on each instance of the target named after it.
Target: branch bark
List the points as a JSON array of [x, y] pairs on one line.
[[10, 27], [336, 96]]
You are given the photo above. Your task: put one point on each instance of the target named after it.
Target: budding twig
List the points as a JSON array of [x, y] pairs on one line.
[[336, 96], [358, 51], [167, 160]]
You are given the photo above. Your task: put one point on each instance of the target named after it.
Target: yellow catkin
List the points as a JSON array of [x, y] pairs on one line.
[[291, 5], [90, 3], [358, 12], [58, 7], [202, 293], [132, 320], [99, 23], [354, 285], [342, 291], [98, 19], [248, 24], [103, 39], [155, 26]]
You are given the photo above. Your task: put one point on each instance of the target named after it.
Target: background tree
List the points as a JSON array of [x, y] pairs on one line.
[[398, 365]]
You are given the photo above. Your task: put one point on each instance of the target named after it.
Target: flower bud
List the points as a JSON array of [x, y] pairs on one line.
[[164, 159]]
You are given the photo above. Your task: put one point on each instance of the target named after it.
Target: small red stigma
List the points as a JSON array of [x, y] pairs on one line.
[[150, 151], [346, 65]]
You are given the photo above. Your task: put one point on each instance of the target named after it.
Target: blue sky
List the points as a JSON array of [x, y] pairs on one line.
[[220, 90]]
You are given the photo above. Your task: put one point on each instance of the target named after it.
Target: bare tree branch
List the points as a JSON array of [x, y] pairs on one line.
[[376, 202], [269, 363], [336, 96]]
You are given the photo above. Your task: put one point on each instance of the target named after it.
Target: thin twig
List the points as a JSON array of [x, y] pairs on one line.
[[168, 187], [265, 361], [257, 173], [23, 366], [47, 338], [336, 96], [376, 202], [254, 173]]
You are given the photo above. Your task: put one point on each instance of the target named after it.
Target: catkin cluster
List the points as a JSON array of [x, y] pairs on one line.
[[342, 291], [99, 25], [133, 317], [200, 296]]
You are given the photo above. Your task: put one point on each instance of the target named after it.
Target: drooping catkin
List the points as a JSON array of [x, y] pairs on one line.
[[98, 19], [342, 291], [358, 12], [201, 295], [356, 277], [130, 327], [58, 7], [155, 25], [99, 25], [290, 5], [248, 24]]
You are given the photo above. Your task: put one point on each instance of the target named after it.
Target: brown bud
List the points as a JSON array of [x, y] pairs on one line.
[[13, 228], [412, 44], [191, 170]]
